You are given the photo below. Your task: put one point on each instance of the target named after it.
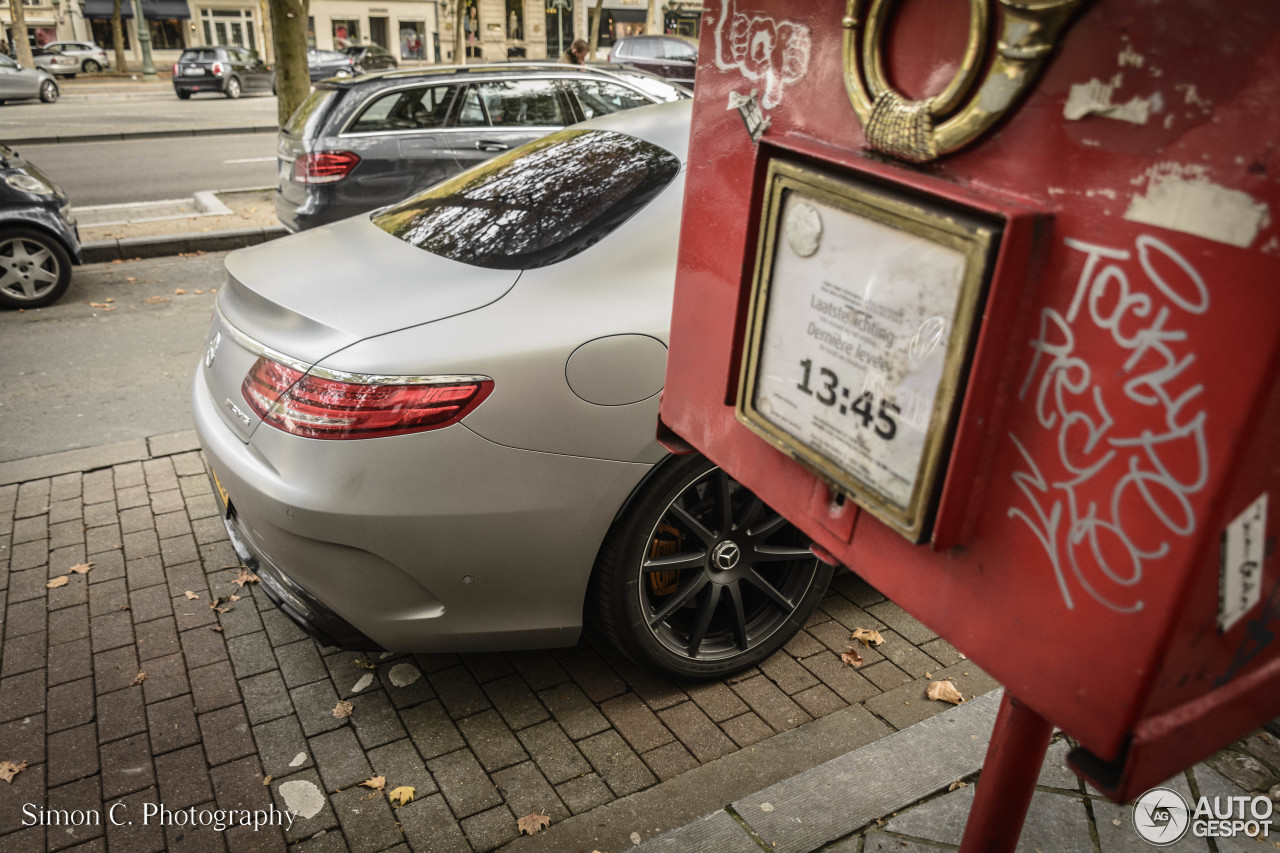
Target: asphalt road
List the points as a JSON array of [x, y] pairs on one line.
[[78, 376], [137, 170], [110, 113]]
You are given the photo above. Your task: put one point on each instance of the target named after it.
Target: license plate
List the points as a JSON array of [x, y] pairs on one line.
[[223, 500], [195, 71]]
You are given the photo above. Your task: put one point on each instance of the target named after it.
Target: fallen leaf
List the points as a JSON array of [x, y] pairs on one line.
[[213, 605], [108, 309], [267, 780], [217, 628], [852, 657], [531, 823], [139, 678], [156, 300], [377, 783], [8, 770], [179, 291], [867, 636], [198, 292], [233, 598], [118, 261], [928, 675], [129, 279], [957, 784], [342, 710], [99, 305], [191, 596], [110, 299], [402, 796], [82, 568], [944, 691], [365, 663], [245, 577], [61, 580]]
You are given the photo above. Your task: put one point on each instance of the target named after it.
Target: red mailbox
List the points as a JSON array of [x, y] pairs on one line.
[[985, 297]]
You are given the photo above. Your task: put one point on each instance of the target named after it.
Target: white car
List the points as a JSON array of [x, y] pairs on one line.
[[55, 62], [89, 56]]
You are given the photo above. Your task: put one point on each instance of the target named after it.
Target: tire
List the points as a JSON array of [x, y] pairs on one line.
[[48, 92], [90, 66], [697, 578], [233, 88], [35, 269], [183, 96]]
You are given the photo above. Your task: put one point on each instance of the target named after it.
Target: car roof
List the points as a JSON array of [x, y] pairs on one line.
[[665, 125], [514, 69]]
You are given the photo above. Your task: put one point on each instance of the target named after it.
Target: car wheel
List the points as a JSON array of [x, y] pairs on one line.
[[183, 96], [35, 269], [698, 578], [233, 88], [90, 66], [48, 91]]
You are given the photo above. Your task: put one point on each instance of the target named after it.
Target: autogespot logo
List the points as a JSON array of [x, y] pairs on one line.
[[1161, 816]]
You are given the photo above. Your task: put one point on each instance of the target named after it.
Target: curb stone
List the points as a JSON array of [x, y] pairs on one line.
[[173, 244]]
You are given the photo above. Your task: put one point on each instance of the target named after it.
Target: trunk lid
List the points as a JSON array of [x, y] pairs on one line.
[[302, 298]]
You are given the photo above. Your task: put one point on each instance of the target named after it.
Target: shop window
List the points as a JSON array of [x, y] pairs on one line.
[[413, 36], [346, 32]]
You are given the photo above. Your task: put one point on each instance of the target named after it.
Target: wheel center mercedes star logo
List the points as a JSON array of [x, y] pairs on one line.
[[726, 555]]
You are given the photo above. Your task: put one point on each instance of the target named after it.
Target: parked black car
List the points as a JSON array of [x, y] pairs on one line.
[[39, 242], [370, 57], [372, 140], [229, 70], [323, 64], [670, 57]]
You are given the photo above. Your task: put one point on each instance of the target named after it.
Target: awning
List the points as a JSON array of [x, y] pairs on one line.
[[152, 10]]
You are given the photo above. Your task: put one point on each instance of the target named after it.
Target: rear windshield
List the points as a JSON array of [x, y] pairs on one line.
[[307, 117], [198, 56], [538, 205]]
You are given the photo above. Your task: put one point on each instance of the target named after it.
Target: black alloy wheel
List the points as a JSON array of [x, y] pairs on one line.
[[699, 578]]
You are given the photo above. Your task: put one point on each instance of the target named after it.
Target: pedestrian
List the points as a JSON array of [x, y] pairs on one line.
[[576, 54]]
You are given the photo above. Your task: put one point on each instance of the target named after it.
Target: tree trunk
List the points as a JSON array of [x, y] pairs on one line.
[[654, 18], [595, 28], [21, 46], [459, 34], [117, 36], [289, 38]]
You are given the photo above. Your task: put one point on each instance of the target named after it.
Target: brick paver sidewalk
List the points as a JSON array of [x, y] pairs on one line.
[[231, 698]]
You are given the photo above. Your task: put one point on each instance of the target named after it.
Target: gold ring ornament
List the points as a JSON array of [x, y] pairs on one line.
[[921, 131]]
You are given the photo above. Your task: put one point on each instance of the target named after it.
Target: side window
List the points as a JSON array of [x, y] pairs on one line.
[[600, 98], [642, 49], [673, 49], [6, 62], [472, 112], [410, 109], [523, 103]]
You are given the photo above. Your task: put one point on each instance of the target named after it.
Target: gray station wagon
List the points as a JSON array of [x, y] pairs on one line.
[[359, 144]]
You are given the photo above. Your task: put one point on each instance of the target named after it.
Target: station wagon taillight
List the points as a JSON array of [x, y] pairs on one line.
[[363, 407], [217, 69], [324, 167]]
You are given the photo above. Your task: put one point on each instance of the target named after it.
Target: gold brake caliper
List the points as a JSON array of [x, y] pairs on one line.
[[666, 541]]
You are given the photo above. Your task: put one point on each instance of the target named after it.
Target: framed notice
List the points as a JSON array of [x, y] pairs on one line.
[[862, 312]]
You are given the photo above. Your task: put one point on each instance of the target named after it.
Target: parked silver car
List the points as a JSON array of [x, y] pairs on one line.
[[18, 83], [54, 62], [90, 57], [432, 428]]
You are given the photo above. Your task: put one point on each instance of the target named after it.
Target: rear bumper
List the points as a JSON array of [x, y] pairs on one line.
[[199, 84], [306, 611]]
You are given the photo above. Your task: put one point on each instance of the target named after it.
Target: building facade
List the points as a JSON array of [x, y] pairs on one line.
[[414, 31]]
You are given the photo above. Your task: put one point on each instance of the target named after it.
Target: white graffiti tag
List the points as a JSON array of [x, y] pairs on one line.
[[763, 49], [1138, 451]]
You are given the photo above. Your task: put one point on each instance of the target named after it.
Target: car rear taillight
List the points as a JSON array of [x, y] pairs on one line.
[[175, 69], [217, 69], [324, 167], [369, 407]]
